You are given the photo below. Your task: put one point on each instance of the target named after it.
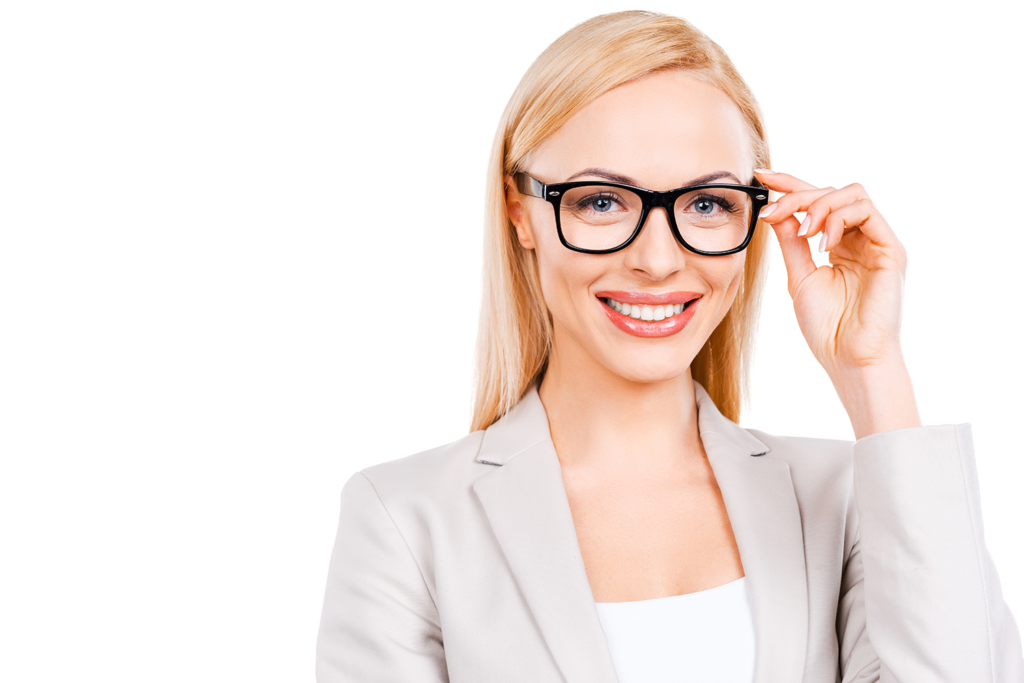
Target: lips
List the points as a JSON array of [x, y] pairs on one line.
[[649, 315]]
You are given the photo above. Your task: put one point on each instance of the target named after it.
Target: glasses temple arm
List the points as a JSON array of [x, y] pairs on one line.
[[529, 186]]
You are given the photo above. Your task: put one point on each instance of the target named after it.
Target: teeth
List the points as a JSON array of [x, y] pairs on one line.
[[642, 312]]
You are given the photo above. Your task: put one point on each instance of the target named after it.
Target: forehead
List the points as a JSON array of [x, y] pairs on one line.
[[662, 130]]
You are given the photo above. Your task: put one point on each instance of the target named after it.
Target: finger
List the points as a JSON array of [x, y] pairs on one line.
[[850, 249], [822, 206], [786, 205], [782, 182], [872, 223], [862, 216], [795, 252]]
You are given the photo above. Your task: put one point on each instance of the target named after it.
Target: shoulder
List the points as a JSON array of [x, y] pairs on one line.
[[821, 469], [432, 466], [424, 503], [429, 479], [809, 460], [801, 451]]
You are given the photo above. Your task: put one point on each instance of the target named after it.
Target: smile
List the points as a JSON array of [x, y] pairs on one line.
[[644, 312], [649, 315]]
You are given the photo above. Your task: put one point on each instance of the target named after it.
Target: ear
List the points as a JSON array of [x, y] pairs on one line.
[[517, 214]]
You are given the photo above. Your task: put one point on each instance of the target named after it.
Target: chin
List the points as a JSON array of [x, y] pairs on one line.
[[649, 368]]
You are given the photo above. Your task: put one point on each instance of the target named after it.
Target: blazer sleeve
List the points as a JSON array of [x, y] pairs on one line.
[[379, 622], [920, 599]]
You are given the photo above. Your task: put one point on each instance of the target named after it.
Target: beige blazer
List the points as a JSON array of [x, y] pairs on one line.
[[865, 562]]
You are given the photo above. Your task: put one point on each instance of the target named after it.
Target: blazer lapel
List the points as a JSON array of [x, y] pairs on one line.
[[762, 507], [525, 502]]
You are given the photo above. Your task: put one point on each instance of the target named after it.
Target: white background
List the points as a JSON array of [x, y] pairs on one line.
[[234, 270]]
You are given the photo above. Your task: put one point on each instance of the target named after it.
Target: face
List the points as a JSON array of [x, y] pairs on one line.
[[662, 132]]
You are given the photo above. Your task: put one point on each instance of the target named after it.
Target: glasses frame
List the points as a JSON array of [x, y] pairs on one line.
[[552, 193]]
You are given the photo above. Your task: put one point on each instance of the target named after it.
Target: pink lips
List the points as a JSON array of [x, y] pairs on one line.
[[651, 328]]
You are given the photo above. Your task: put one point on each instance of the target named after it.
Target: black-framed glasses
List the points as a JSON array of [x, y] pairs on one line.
[[597, 217]]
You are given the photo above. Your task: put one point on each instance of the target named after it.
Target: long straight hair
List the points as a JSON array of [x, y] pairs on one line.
[[514, 340]]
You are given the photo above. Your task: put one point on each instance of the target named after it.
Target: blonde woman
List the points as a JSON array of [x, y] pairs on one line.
[[607, 519]]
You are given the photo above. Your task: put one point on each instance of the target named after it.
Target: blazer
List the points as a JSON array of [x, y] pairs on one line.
[[865, 561]]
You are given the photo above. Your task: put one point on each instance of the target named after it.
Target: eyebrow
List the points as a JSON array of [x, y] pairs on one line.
[[626, 180]]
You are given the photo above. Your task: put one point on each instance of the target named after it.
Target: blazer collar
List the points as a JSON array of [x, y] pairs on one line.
[[527, 424], [525, 502], [523, 426]]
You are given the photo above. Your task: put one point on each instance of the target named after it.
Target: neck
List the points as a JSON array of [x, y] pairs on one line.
[[600, 419]]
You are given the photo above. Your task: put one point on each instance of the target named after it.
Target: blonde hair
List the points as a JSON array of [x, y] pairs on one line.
[[602, 53]]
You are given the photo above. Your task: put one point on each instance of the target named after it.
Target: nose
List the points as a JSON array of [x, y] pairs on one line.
[[655, 254]]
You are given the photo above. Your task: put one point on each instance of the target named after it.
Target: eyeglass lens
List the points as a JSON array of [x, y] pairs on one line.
[[599, 217]]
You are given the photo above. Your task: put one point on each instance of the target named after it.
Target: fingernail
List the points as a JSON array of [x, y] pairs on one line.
[[823, 242], [804, 227], [766, 211], [766, 171]]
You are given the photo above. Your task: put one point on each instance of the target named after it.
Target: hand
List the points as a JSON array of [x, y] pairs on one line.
[[849, 311]]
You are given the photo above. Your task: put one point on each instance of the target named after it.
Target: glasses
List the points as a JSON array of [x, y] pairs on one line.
[[596, 217]]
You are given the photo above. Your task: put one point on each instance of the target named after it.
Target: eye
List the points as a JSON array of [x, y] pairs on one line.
[[598, 203], [710, 204], [704, 205]]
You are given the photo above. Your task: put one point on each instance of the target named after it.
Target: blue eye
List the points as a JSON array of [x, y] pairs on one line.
[[602, 202], [709, 204]]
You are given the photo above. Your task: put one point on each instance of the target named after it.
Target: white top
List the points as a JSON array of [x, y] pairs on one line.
[[703, 636]]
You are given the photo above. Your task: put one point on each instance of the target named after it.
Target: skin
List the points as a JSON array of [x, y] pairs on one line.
[[648, 512]]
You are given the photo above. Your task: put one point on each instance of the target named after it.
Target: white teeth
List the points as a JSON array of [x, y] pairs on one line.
[[641, 312]]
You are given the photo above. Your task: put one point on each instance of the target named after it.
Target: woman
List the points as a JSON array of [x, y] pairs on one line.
[[608, 519]]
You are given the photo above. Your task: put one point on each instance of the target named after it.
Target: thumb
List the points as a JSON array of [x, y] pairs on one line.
[[796, 252]]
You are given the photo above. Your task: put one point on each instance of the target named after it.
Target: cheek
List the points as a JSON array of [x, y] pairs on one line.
[[565, 277], [724, 275]]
